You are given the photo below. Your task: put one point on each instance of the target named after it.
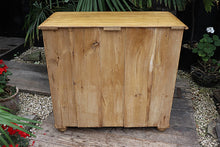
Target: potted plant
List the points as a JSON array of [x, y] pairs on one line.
[[207, 70], [12, 132], [8, 93]]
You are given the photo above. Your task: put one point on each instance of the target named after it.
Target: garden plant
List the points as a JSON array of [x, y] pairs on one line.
[[12, 132], [207, 71], [41, 9], [5, 90]]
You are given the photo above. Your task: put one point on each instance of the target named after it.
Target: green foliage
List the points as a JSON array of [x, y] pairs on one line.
[[208, 4], [103, 5], [171, 4], [9, 119], [207, 46], [4, 73], [39, 12], [41, 9]]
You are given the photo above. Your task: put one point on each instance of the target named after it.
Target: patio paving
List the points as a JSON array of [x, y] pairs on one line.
[[9, 46], [182, 131]]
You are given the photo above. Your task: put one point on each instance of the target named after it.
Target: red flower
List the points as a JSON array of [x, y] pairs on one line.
[[33, 143], [23, 134], [1, 61], [11, 131], [1, 70], [4, 127], [10, 145], [5, 68]]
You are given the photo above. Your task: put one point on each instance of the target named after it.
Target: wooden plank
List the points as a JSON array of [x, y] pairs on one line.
[[59, 61], [87, 77], [66, 77], [159, 67], [51, 52], [112, 28], [111, 19], [139, 53], [112, 75], [170, 66]]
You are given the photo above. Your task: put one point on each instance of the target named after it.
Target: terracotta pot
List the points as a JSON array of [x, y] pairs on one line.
[[11, 102]]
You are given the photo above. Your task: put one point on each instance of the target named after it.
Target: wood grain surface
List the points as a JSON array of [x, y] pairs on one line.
[[113, 76], [112, 19]]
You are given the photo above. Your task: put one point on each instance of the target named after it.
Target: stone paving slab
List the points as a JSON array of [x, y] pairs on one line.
[[9, 44], [182, 131], [29, 77]]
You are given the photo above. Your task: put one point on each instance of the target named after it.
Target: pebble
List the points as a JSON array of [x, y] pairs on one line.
[[29, 51], [33, 104], [204, 111]]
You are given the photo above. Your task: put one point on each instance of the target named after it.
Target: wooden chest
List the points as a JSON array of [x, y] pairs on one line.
[[112, 69]]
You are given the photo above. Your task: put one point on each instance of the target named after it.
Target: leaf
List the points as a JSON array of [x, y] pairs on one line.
[[120, 5], [169, 3], [95, 8], [201, 45], [126, 4], [215, 38], [201, 54], [174, 4], [149, 3], [100, 5], [79, 5], [116, 5], [208, 5], [195, 50], [1, 90], [217, 43], [3, 141], [205, 59], [214, 61], [3, 82], [110, 5], [6, 135], [205, 35]]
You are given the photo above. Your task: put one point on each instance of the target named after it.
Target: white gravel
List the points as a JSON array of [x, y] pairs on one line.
[[33, 104], [204, 111], [29, 51]]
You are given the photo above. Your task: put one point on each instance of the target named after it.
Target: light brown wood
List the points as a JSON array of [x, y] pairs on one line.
[[111, 75], [87, 77], [62, 89], [112, 19], [112, 28], [161, 129], [170, 66], [62, 129], [51, 57], [140, 46], [159, 68]]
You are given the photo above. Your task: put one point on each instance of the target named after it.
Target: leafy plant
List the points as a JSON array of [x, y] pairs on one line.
[[38, 13], [8, 120], [176, 4], [208, 4], [41, 9], [104, 5], [207, 46], [4, 90]]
